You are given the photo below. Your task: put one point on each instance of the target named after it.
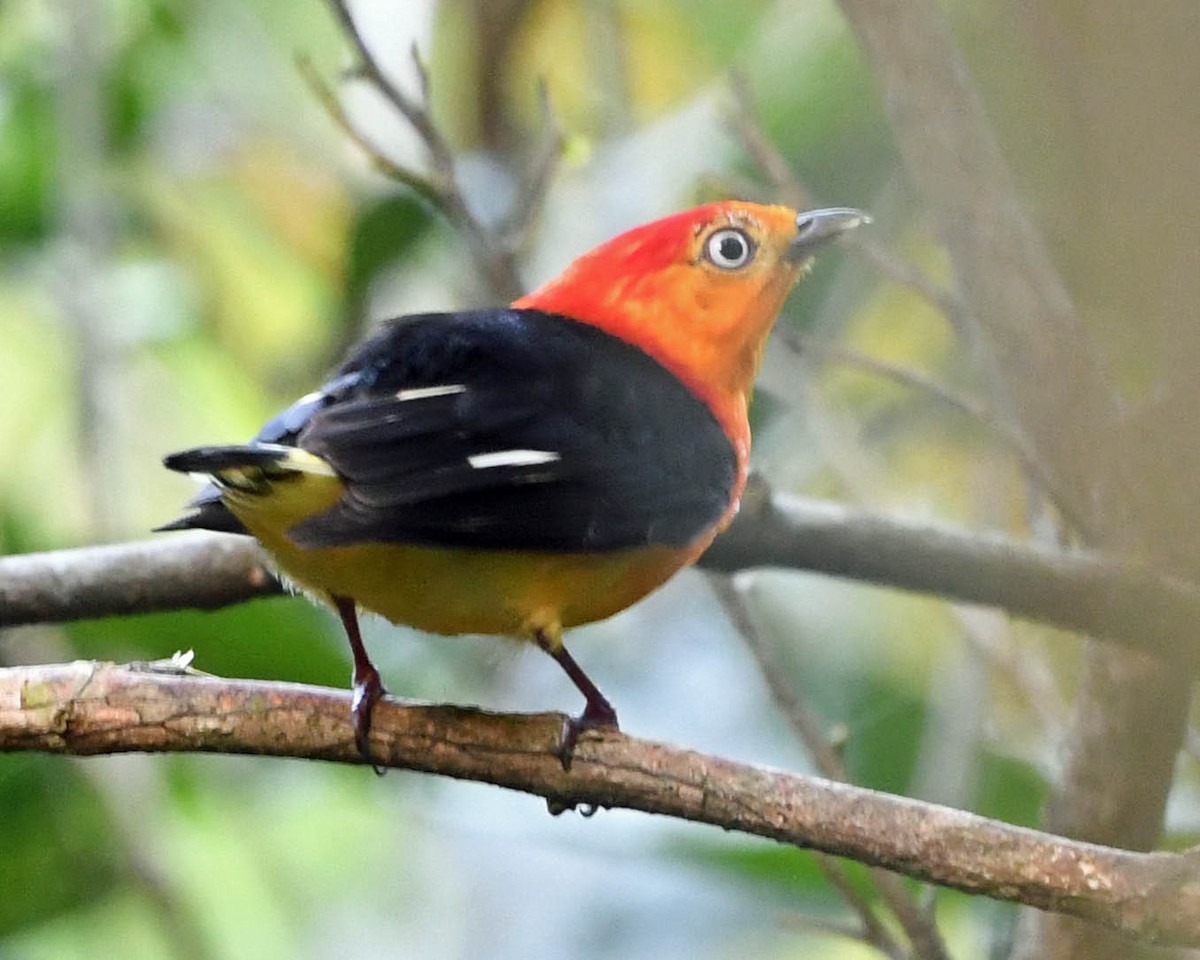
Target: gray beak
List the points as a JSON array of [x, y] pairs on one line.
[[815, 228]]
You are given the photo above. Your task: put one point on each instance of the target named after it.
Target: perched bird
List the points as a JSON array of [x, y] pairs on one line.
[[525, 469]]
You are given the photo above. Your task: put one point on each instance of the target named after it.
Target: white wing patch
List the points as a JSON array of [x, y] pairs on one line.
[[425, 393], [304, 462], [512, 458], [309, 398]]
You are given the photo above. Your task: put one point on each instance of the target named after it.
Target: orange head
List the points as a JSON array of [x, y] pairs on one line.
[[699, 292]]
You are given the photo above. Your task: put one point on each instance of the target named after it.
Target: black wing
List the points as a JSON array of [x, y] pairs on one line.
[[510, 429]]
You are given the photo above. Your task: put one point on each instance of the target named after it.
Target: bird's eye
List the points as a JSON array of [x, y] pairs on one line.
[[729, 249]]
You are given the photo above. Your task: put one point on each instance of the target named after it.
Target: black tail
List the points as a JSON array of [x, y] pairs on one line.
[[215, 459], [207, 511]]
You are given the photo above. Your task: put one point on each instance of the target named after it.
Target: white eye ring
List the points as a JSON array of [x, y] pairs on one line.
[[729, 249]]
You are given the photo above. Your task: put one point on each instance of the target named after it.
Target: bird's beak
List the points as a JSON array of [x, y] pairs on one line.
[[815, 228]]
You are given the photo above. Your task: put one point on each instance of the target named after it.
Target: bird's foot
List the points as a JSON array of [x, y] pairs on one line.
[[597, 715], [368, 691]]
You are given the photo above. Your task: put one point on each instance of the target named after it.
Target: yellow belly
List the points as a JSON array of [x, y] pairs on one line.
[[453, 590]]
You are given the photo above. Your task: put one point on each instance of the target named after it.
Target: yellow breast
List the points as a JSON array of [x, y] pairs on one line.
[[452, 591]]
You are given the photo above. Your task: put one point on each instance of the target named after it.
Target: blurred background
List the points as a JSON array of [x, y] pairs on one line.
[[188, 242]]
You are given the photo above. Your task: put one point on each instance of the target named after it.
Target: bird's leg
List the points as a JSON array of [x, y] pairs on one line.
[[368, 688], [597, 712]]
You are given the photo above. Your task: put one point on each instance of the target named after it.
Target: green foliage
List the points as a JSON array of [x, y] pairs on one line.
[[58, 845], [784, 874], [384, 232], [1009, 789], [284, 638], [885, 728], [28, 153]]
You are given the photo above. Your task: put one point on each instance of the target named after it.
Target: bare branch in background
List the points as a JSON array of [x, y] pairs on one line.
[[1040, 350], [787, 699], [1131, 711], [920, 928], [995, 427], [1073, 589], [496, 264], [94, 708], [420, 184], [539, 175], [201, 571], [493, 250]]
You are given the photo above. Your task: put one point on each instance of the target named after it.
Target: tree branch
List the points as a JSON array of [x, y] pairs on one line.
[[492, 254], [1130, 714], [1075, 590], [201, 571], [92, 708]]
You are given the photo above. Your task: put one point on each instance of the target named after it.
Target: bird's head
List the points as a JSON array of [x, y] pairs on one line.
[[699, 291]]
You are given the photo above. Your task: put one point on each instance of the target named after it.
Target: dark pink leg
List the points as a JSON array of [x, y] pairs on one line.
[[367, 686], [597, 712]]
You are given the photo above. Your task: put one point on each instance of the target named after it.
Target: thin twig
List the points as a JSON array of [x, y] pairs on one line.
[[908, 275], [978, 411], [539, 175], [422, 70], [870, 930], [95, 708], [831, 928], [416, 113], [787, 699], [916, 380], [495, 261], [920, 928], [806, 726], [432, 191]]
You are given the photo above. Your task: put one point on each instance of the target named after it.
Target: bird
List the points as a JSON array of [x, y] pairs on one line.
[[522, 470]]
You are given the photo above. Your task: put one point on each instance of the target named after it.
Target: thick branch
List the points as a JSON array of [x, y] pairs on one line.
[[93, 708], [190, 571], [1075, 590]]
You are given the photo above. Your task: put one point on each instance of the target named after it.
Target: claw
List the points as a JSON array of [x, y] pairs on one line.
[[597, 715], [368, 691]]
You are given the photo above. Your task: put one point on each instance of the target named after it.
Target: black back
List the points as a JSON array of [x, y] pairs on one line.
[[615, 451], [639, 459]]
